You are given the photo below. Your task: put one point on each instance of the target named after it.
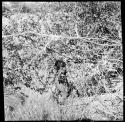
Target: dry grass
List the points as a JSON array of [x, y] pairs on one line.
[[43, 107], [36, 107]]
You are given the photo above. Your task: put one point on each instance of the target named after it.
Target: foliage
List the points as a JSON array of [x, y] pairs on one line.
[[62, 60]]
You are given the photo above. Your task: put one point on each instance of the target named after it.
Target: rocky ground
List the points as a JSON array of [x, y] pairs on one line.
[[62, 60]]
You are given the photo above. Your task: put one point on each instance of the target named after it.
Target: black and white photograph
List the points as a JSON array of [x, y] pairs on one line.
[[62, 61]]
